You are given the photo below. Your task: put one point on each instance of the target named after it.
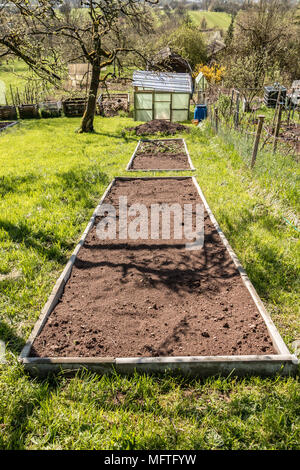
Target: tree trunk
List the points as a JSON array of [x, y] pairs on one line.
[[87, 123]]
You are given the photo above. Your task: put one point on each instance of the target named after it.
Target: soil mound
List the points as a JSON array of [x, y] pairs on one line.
[[159, 125]]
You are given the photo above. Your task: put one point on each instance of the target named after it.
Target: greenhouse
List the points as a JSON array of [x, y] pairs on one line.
[[161, 95]]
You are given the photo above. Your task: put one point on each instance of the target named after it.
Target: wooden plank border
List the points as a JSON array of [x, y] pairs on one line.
[[129, 166], [282, 363], [11, 124]]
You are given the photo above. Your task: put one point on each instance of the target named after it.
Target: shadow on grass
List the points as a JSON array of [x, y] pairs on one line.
[[80, 183], [13, 342], [11, 184], [271, 270], [82, 180], [40, 240]]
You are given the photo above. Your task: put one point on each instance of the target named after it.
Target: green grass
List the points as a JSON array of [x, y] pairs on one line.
[[214, 19], [50, 181], [15, 73]]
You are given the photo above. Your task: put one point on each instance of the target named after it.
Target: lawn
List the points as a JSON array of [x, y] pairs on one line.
[[15, 74], [50, 181]]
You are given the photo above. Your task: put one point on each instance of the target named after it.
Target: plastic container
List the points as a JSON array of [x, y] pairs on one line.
[[200, 112]]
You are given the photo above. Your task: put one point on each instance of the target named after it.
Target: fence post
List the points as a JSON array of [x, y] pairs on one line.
[[261, 119], [276, 110], [237, 109], [216, 120], [277, 129], [231, 102], [211, 114], [290, 108]]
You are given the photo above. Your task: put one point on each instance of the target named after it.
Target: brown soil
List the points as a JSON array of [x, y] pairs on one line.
[[113, 104], [161, 155], [129, 298], [159, 125], [291, 134]]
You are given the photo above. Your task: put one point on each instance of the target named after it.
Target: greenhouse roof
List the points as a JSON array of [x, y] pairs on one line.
[[199, 76], [163, 81]]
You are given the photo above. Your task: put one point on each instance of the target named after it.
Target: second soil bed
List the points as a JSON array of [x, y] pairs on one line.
[[163, 154], [129, 298]]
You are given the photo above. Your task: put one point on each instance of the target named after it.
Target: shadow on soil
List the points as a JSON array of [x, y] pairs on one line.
[[165, 264]]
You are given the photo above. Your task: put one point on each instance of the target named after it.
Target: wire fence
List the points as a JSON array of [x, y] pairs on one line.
[[255, 129], [267, 139]]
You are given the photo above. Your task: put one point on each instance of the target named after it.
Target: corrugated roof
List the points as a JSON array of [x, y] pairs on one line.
[[163, 81]]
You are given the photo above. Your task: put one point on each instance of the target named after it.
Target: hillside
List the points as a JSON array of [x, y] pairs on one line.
[[214, 19]]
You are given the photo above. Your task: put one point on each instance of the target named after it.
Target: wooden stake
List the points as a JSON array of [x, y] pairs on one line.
[[231, 102], [261, 119], [237, 109], [276, 134], [216, 120]]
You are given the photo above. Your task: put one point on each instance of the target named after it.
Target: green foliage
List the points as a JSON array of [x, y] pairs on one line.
[[223, 105], [189, 43], [265, 36], [246, 74]]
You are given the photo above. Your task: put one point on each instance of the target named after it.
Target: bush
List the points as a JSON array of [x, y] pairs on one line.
[[189, 43]]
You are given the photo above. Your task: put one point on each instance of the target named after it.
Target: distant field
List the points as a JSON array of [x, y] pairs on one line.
[[214, 19], [12, 74]]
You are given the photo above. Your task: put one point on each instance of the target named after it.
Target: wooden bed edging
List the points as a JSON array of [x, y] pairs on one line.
[[192, 168], [11, 124], [267, 365], [283, 363]]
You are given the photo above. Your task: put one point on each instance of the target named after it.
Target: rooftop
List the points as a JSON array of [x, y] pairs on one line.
[[162, 81]]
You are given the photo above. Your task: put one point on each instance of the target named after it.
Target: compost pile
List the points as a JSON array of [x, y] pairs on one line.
[[111, 106], [159, 125]]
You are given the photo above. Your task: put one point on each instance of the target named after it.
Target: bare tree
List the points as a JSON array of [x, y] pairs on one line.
[[97, 33], [259, 43]]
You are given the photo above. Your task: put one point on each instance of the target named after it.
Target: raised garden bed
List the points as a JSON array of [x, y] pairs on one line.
[[111, 105], [153, 305], [5, 125], [28, 111], [161, 155], [8, 113], [74, 107], [159, 126], [50, 109]]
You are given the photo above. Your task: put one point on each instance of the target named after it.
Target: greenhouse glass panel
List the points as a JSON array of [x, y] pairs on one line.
[[180, 101], [143, 115], [180, 115], [162, 110], [143, 100], [163, 97]]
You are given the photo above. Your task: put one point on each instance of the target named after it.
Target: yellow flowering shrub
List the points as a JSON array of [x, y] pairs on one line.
[[213, 73]]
